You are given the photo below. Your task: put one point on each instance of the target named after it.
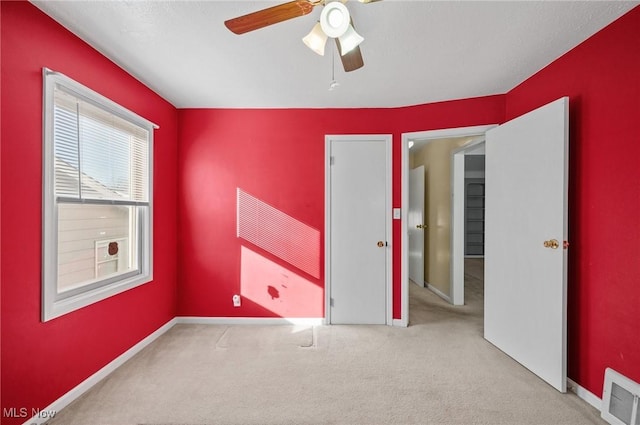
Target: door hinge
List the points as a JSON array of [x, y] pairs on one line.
[[330, 302], [332, 160]]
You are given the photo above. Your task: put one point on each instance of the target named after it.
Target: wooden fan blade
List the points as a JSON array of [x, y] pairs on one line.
[[269, 16], [352, 60]]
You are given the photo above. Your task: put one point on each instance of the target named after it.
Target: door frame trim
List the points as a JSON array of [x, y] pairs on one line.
[[404, 184], [388, 139], [458, 224]]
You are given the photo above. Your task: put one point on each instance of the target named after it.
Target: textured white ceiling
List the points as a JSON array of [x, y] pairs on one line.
[[414, 51]]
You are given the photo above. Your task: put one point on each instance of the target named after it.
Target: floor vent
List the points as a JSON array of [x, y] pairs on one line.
[[620, 399]]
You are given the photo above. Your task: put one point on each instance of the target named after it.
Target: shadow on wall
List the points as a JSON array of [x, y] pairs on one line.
[[267, 283]]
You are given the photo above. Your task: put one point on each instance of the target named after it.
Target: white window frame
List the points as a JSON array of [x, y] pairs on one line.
[[53, 303]]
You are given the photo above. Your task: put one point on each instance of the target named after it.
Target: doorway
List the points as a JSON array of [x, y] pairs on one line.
[[358, 229], [426, 137]]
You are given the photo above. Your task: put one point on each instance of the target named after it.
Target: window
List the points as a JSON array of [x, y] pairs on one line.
[[97, 216]]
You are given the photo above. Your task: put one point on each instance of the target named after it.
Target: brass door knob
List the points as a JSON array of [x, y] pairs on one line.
[[552, 243], [421, 226], [380, 244]]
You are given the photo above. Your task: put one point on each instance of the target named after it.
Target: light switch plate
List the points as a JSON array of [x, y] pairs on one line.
[[396, 214]]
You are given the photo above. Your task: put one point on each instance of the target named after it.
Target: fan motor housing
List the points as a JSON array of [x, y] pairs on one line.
[[335, 19]]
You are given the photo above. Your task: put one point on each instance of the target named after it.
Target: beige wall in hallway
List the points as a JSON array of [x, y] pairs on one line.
[[436, 158]]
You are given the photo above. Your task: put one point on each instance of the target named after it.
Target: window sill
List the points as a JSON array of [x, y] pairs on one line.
[[61, 307]]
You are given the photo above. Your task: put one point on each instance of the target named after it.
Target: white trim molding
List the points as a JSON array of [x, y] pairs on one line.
[[88, 383], [438, 292], [400, 323], [585, 394], [304, 321]]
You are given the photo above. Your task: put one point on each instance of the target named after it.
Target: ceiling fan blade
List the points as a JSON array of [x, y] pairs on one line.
[[269, 16], [352, 60]]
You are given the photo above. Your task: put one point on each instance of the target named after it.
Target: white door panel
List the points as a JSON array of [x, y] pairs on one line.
[[526, 205], [416, 218], [358, 221]]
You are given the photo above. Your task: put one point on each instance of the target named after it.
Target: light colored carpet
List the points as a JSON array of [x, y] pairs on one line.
[[439, 370]]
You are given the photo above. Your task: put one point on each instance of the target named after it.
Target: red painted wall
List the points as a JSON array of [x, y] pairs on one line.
[[42, 361], [277, 156], [602, 79]]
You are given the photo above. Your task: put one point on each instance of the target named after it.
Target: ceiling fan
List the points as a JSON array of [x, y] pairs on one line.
[[335, 22]]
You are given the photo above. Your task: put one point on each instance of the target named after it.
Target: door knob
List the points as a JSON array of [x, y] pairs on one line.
[[552, 243], [380, 244], [421, 226]]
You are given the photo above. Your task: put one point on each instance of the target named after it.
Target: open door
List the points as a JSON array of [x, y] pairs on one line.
[[525, 254], [416, 225]]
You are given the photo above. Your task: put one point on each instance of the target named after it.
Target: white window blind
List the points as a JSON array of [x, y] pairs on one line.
[[98, 155]]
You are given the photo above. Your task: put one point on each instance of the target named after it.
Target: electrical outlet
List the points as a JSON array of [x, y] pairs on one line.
[[236, 300]]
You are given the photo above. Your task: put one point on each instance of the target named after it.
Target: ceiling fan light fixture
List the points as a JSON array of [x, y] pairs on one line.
[[316, 39], [349, 40], [335, 19]]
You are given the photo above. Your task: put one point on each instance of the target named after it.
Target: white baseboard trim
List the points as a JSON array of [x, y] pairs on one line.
[[250, 321], [88, 383], [585, 394], [401, 323], [439, 293]]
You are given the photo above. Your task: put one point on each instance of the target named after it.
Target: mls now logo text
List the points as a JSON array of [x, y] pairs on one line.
[[23, 412]]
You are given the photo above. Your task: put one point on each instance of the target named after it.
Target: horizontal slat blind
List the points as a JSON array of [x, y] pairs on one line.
[[99, 155]]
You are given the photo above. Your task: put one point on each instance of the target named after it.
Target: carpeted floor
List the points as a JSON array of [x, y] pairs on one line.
[[439, 370]]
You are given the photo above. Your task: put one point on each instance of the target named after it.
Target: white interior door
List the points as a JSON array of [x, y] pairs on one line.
[[359, 225], [526, 210], [416, 221]]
